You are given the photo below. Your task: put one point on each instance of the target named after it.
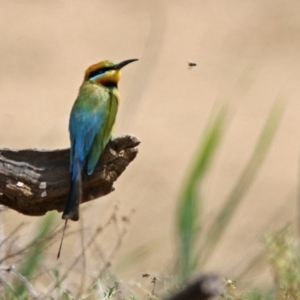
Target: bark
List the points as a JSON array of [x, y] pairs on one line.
[[34, 181]]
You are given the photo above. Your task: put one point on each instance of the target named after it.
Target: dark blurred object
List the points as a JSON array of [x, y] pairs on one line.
[[33, 181], [191, 64], [205, 287]]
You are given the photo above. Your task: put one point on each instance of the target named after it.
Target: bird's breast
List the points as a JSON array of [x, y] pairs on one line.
[[95, 93]]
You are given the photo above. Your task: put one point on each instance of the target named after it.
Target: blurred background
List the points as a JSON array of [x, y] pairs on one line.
[[247, 55]]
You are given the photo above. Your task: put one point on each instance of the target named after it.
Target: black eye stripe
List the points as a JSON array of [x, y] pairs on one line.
[[99, 71]]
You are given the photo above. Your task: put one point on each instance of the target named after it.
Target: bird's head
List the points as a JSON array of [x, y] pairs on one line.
[[106, 71]]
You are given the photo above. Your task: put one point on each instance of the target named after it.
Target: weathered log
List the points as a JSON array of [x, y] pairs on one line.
[[34, 182]]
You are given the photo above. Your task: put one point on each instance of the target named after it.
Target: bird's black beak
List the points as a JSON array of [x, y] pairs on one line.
[[122, 64]]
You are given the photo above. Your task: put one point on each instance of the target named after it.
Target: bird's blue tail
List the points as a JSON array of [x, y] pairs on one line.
[[72, 207]]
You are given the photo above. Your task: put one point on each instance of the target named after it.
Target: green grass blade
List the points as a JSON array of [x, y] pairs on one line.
[[244, 182], [33, 258], [190, 206], [298, 203]]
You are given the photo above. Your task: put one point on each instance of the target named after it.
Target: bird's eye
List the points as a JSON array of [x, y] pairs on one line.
[[98, 72]]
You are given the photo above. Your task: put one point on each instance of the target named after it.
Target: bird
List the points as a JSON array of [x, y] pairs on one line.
[[90, 126]]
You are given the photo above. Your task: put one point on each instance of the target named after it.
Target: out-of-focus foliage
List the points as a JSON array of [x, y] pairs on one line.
[[190, 220]]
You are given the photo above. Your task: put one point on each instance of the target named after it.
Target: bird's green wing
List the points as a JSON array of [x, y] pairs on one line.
[[103, 135]]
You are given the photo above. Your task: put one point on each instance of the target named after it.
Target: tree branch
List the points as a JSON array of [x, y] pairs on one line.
[[33, 181]]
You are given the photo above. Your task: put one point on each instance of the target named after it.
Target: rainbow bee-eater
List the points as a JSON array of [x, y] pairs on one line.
[[91, 122]]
